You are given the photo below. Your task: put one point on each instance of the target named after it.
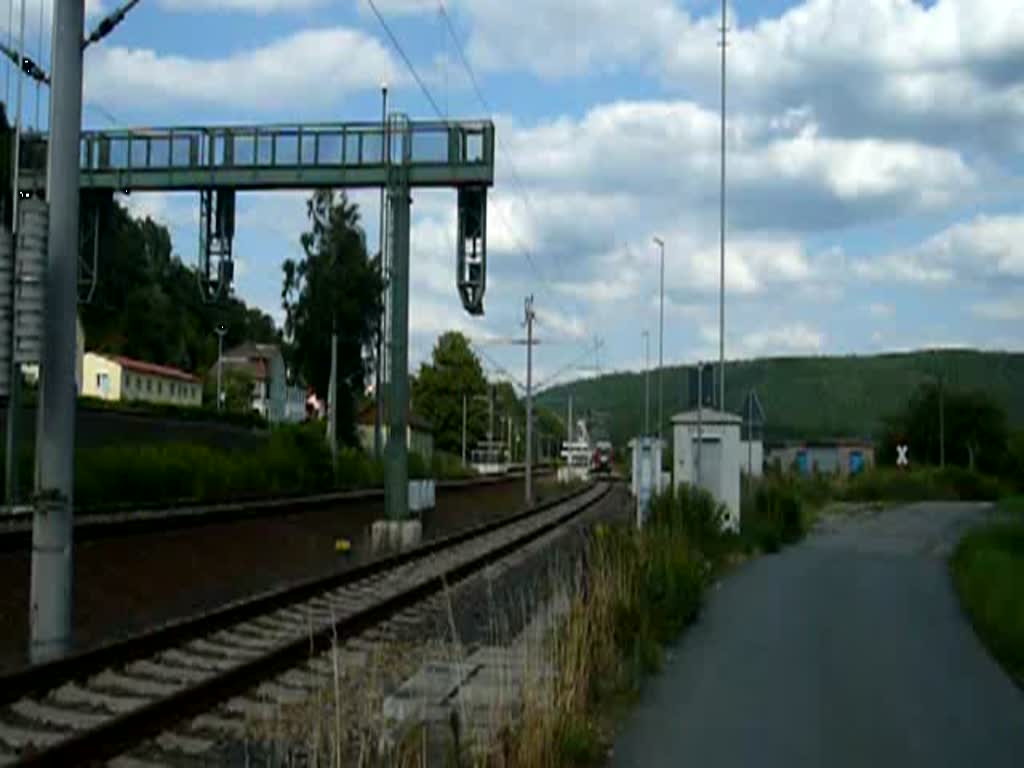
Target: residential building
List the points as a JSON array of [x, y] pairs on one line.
[[265, 364], [419, 435], [842, 456], [118, 378]]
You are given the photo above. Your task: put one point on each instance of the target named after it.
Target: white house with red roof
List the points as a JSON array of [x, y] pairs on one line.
[[114, 377]]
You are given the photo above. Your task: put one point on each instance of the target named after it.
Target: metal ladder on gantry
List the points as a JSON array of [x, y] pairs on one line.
[[217, 162]]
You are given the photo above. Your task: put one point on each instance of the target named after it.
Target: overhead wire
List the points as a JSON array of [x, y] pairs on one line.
[[408, 62], [507, 154], [444, 117]]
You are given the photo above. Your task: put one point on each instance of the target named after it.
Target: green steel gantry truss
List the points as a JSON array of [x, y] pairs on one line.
[[218, 161]]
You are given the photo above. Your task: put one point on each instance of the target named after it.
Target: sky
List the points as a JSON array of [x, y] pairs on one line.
[[874, 161]]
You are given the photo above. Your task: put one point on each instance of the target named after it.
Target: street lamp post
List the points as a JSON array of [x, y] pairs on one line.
[[647, 382], [661, 332], [700, 419], [220, 330]]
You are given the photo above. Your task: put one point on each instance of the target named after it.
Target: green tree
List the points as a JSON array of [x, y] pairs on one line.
[[236, 385], [335, 286], [975, 429], [454, 372], [147, 303]]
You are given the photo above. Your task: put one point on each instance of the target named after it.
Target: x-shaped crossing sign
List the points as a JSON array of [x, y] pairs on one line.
[[901, 456]]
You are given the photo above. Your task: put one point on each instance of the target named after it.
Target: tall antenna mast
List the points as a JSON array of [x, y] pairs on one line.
[[721, 289]]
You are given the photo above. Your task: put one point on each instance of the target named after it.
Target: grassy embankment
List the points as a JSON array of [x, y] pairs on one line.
[[644, 588], [988, 571], [641, 590], [294, 460]]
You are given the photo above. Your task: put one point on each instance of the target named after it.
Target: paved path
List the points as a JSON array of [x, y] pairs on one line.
[[847, 650]]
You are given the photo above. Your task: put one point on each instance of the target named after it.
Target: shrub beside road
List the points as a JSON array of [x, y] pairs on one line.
[[988, 571]]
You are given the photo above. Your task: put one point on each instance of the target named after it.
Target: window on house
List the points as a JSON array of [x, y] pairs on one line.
[[127, 381], [103, 383], [159, 387], [149, 385]]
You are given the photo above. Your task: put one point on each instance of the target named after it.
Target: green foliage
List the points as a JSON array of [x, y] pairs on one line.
[[988, 570], [445, 466], [1014, 468], [975, 429], [454, 372], [236, 389], [294, 460], [925, 484], [147, 303], [805, 398], [335, 287], [773, 510]]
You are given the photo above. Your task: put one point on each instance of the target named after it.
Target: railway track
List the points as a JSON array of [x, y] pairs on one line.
[[128, 520], [188, 681]]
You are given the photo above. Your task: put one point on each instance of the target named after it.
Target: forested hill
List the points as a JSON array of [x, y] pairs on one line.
[[147, 303], [806, 397]]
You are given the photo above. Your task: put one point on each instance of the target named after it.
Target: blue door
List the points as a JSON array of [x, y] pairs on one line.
[[856, 462], [801, 462]]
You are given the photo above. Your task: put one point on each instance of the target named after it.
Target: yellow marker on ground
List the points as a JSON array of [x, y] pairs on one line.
[[342, 545]]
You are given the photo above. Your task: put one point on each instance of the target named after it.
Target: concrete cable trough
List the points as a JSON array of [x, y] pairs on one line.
[[99, 704]]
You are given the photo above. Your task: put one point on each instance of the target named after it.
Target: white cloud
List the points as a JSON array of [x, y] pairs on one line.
[[1011, 308], [879, 309], [795, 338], [558, 325], [335, 61], [894, 66], [662, 157], [983, 248], [246, 6]]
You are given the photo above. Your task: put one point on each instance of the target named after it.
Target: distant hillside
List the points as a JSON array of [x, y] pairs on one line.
[[804, 397]]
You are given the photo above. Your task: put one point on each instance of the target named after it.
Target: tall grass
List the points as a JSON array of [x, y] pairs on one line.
[[988, 570], [639, 590], [778, 509]]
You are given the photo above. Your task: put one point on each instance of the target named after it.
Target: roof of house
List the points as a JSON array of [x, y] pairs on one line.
[[252, 350], [152, 369], [369, 413], [707, 416], [256, 368]]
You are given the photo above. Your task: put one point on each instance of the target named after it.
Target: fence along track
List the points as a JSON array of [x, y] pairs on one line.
[[100, 703]]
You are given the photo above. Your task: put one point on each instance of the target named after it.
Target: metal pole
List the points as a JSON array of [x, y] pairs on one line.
[[750, 434], [50, 606], [464, 404], [41, 62], [10, 44], [332, 398], [14, 397], [942, 426], [700, 418], [661, 336], [647, 383], [571, 430], [379, 373], [721, 289], [529, 400], [220, 369], [490, 419], [397, 498]]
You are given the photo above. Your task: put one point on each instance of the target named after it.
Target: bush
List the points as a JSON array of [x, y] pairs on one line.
[[988, 569], [924, 484], [773, 510]]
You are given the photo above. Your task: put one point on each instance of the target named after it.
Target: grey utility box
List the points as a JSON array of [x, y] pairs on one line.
[[712, 439]]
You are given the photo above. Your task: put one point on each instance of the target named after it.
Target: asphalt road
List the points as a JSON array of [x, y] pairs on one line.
[[847, 650]]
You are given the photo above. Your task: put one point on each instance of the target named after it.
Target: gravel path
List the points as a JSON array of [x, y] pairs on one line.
[[847, 650]]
